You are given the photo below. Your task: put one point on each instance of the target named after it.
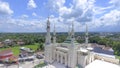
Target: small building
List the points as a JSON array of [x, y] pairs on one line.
[[7, 56], [20, 42], [1, 44], [8, 42], [25, 52]]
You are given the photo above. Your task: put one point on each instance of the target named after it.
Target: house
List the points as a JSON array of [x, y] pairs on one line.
[[7, 56], [8, 42], [20, 42], [1, 44], [25, 52]]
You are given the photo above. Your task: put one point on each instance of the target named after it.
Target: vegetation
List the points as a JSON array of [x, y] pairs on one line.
[[107, 42], [16, 49], [35, 41], [42, 64]]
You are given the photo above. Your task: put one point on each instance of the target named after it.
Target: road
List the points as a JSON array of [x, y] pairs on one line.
[[26, 64]]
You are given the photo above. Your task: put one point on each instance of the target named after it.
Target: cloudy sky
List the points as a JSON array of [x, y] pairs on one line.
[[31, 15]]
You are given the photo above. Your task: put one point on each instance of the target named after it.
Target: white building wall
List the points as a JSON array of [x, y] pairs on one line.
[[48, 54], [72, 58], [82, 59]]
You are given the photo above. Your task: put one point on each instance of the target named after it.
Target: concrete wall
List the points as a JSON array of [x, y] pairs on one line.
[[108, 59]]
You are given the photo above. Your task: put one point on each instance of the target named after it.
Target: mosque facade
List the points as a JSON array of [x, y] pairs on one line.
[[70, 53]]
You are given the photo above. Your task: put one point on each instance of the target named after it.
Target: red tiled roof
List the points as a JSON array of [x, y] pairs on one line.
[[107, 48], [6, 52], [13, 58]]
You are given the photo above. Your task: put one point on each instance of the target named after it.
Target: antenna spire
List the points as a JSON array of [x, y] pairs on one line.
[[86, 35], [72, 31]]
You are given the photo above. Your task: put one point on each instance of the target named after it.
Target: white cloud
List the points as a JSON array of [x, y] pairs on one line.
[[24, 16], [80, 11], [34, 14], [64, 10], [80, 4], [85, 11], [111, 19], [22, 25], [31, 4], [55, 5], [116, 3], [77, 8], [5, 8]]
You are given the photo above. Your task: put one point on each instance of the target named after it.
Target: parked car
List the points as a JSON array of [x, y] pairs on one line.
[[39, 56]]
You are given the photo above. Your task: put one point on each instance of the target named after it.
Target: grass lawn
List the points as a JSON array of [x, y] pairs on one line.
[[40, 65], [118, 57], [33, 47], [16, 49]]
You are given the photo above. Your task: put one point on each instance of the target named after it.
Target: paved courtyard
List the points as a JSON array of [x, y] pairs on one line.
[[55, 65], [30, 64], [27, 64]]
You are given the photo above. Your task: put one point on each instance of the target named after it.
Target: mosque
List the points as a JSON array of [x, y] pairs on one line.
[[70, 53]]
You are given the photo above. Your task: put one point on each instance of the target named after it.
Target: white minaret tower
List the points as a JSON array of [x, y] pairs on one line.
[[72, 31], [72, 58], [54, 43], [54, 35], [84, 51], [86, 36], [68, 30], [48, 46], [48, 36], [89, 48]]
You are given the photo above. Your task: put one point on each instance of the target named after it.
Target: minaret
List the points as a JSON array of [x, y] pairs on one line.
[[48, 36], [54, 35], [48, 48], [72, 31], [54, 44], [86, 36], [68, 30], [90, 57], [72, 54]]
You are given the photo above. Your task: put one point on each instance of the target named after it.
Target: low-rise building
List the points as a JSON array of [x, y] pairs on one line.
[[7, 56], [25, 52], [20, 42]]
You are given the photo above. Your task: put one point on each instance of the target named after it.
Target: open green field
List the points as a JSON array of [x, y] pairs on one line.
[[40, 65], [118, 57], [16, 49]]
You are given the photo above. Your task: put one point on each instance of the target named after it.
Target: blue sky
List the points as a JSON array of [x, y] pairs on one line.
[[31, 15]]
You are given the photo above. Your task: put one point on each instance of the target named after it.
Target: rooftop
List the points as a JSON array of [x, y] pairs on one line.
[[62, 48], [101, 64], [83, 50], [6, 52], [100, 50]]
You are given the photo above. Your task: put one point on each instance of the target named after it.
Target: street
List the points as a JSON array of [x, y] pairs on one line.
[[26, 64]]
